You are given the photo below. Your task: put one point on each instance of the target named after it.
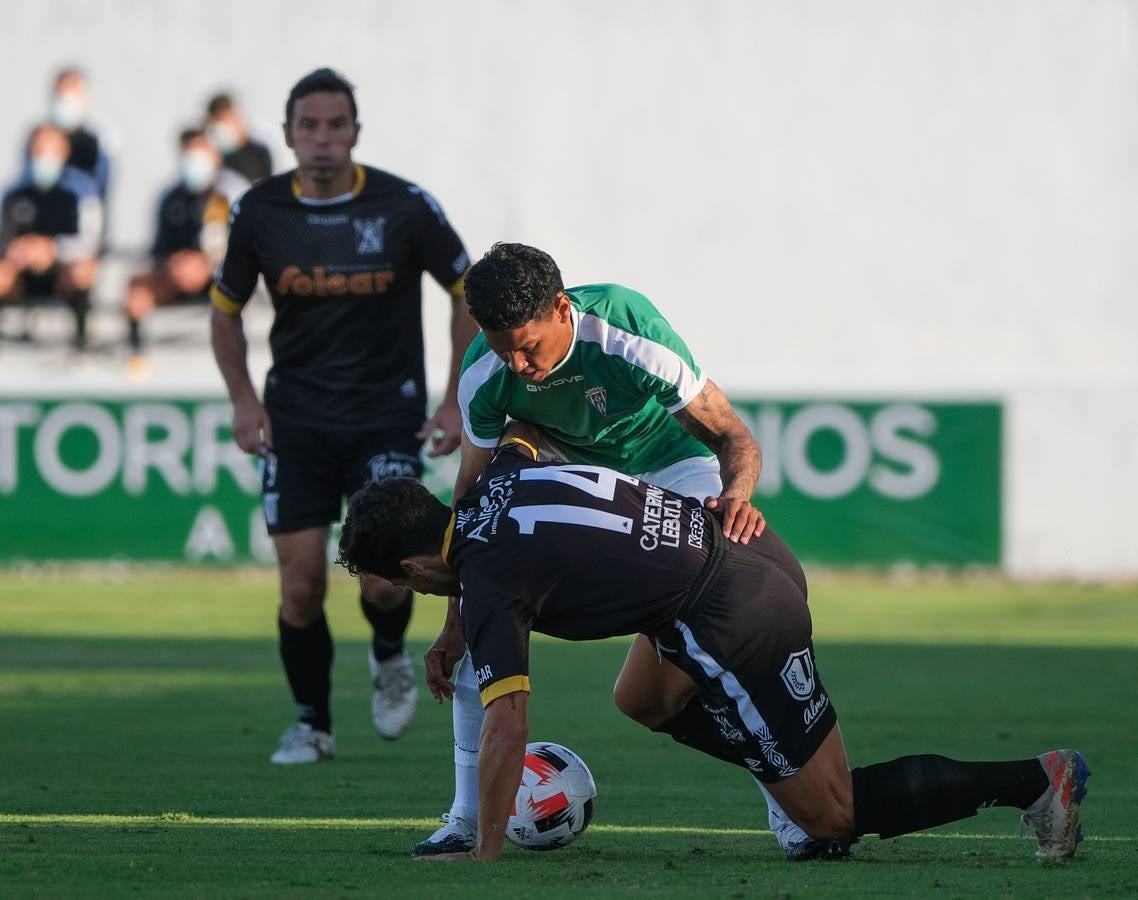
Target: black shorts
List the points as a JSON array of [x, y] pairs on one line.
[[309, 472], [747, 643]]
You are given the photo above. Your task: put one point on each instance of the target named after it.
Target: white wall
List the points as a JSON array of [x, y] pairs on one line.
[[866, 198]]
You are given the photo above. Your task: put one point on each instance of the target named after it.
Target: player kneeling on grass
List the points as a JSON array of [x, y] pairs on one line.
[[583, 553]]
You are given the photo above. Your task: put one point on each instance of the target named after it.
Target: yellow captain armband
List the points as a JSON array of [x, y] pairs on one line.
[[523, 442], [510, 685], [223, 302], [448, 538]]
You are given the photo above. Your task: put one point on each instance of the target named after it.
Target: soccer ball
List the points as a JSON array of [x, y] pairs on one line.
[[554, 803]]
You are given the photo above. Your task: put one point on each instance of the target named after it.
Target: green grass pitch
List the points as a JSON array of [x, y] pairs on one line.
[[138, 709]]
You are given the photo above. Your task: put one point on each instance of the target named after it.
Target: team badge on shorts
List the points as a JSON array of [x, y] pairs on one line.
[[397, 464], [597, 397], [798, 675]]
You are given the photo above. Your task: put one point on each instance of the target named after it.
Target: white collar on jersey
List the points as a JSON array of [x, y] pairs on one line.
[[327, 201], [575, 315]]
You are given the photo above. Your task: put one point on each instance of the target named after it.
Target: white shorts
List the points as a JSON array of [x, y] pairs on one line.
[[696, 477]]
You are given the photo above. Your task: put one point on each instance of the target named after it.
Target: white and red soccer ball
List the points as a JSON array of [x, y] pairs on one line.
[[555, 800]]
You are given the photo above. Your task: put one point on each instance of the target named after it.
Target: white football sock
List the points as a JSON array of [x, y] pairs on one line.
[[467, 715], [781, 824]]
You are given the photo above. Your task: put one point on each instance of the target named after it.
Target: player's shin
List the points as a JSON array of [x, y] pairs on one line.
[[307, 656], [388, 625], [917, 792], [694, 727], [467, 716]]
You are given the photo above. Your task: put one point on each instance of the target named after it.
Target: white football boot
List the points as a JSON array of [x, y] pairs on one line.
[[304, 744], [457, 835], [1055, 815], [393, 702]]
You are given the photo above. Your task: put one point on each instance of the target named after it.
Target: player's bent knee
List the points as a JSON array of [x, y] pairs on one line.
[[302, 599], [629, 702], [381, 594], [640, 706]]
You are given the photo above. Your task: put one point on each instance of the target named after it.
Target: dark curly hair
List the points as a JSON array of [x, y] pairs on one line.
[[321, 81], [511, 285], [389, 520]]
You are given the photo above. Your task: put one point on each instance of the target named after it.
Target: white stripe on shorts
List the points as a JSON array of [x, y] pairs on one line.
[[748, 712]]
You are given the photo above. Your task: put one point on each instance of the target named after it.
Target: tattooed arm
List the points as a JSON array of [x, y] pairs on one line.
[[711, 419]]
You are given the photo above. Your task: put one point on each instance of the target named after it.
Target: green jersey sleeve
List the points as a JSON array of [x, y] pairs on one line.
[[483, 390]]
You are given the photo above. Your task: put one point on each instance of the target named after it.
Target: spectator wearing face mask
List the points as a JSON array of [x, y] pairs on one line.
[[226, 129], [70, 104], [190, 239], [50, 227]]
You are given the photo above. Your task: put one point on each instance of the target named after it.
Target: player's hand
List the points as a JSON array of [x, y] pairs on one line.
[[252, 430], [440, 660], [741, 521], [443, 429]]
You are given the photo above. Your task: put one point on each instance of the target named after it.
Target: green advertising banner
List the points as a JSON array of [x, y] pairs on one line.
[[882, 483], [154, 479]]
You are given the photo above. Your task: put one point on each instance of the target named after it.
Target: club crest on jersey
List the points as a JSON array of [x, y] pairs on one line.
[[598, 398], [798, 675], [369, 235], [22, 211]]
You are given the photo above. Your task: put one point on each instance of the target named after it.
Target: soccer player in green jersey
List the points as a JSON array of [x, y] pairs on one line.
[[610, 383]]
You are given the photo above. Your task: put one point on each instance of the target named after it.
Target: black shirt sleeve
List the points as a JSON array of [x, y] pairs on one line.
[[439, 247], [497, 628], [237, 278]]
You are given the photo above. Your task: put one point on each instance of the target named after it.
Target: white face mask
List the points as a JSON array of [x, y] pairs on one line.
[[46, 170], [198, 169], [224, 137], [68, 111]]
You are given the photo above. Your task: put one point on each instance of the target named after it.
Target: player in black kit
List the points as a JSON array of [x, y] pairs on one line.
[[581, 552], [342, 249]]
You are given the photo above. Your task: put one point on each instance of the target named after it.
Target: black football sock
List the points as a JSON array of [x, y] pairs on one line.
[[388, 626], [917, 792], [134, 335], [694, 727], [307, 657], [80, 305]]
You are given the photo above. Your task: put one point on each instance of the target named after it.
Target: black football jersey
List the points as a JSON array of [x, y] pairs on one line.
[[182, 214], [28, 210], [346, 284], [85, 151], [574, 551]]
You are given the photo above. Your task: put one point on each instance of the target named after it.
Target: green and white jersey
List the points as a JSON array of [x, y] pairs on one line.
[[610, 402]]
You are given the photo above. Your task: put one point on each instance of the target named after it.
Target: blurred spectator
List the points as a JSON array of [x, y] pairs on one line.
[[227, 131], [70, 103], [193, 218], [50, 227]]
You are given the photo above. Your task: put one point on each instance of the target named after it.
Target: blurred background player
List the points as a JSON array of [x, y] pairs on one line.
[[342, 248], [189, 242], [227, 131], [50, 229], [70, 105]]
